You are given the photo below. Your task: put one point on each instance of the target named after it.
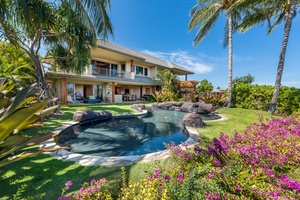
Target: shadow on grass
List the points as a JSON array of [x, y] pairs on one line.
[[43, 174]]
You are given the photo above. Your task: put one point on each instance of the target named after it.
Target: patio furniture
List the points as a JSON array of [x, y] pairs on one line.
[[91, 99], [106, 99], [70, 100], [129, 97]]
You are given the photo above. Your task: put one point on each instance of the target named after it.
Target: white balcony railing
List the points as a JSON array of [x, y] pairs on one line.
[[111, 73]]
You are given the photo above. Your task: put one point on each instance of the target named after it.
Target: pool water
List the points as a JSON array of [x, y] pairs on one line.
[[125, 137]]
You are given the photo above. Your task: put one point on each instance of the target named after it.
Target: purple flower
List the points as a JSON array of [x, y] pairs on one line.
[[180, 178], [167, 177], [68, 184], [217, 162], [157, 172], [290, 184], [238, 187]]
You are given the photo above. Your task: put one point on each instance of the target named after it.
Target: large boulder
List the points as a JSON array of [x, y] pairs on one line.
[[138, 107], [203, 108], [193, 120], [89, 115], [187, 107]]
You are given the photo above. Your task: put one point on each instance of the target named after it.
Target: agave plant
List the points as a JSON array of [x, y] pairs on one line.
[[17, 113]]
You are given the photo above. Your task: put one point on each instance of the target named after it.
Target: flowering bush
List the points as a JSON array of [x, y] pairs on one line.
[[87, 191], [253, 165], [153, 187]]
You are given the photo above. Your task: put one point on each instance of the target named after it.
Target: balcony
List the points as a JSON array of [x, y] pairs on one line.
[[121, 75], [111, 73]]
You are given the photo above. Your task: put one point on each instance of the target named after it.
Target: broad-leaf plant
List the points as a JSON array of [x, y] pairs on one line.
[[19, 111]]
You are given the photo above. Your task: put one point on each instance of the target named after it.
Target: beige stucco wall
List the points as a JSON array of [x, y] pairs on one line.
[[78, 88], [152, 72]]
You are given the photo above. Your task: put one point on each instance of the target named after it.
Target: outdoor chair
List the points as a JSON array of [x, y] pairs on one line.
[[70, 100]]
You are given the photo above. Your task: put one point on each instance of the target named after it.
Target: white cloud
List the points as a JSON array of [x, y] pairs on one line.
[[182, 58]]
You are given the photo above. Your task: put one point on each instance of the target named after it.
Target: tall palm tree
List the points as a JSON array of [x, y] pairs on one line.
[[274, 12], [69, 24], [204, 15]]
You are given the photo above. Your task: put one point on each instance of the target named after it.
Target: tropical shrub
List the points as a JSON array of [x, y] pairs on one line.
[[205, 86], [259, 97], [253, 165], [165, 95], [16, 66], [92, 190], [215, 98], [288, 100], [243, 80], [168, 79], [152, 187], [17, 113]]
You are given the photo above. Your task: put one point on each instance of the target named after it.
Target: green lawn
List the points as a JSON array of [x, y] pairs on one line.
[[41, 174], [238, 120]]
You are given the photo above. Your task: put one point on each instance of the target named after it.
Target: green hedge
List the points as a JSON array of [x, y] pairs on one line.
[[259, 97]]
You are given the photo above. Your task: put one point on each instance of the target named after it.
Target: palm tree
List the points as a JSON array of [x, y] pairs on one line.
[[274, 12], [168, 79], [204, 15], [70, 24]]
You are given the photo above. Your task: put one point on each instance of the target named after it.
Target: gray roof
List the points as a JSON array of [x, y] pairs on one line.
[[143, 57]]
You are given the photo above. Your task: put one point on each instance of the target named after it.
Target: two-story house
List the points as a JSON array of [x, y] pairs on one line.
[[116, 74]]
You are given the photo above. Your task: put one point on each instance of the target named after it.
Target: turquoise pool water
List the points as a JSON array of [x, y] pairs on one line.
[[125, 137]]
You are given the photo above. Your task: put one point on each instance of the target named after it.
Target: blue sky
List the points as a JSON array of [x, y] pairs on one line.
[[159, 28]]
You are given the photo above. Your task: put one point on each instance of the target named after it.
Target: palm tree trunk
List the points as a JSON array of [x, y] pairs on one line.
[[288, 19], [229, 95], [40, 74]]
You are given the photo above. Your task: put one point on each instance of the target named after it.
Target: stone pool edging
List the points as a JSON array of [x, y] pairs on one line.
[[113, 161]]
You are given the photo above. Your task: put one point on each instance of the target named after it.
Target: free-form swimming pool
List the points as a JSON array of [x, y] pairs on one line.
[[125, 137]]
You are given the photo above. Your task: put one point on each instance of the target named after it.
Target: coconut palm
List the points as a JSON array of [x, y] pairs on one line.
[[71, 24], [274, 12], [204, 15]]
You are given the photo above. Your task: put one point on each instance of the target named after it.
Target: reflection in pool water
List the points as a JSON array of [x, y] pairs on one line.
[[124, 137]]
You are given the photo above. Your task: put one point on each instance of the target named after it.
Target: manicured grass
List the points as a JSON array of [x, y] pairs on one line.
[[238, 120], [68, 111], [42, 174]]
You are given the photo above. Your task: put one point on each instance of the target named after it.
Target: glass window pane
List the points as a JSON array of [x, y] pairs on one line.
[[139, 70], [114, 69], [146, 72], [70, 89], [98, 91]]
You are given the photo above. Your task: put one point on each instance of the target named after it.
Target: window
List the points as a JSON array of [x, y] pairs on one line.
[[147, 91], [70, 89], [97, 91], [141, 71], [114, 69], [123, 68]]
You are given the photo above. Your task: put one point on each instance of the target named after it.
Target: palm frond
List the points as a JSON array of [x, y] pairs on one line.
[[205, 17], [93, 12]]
